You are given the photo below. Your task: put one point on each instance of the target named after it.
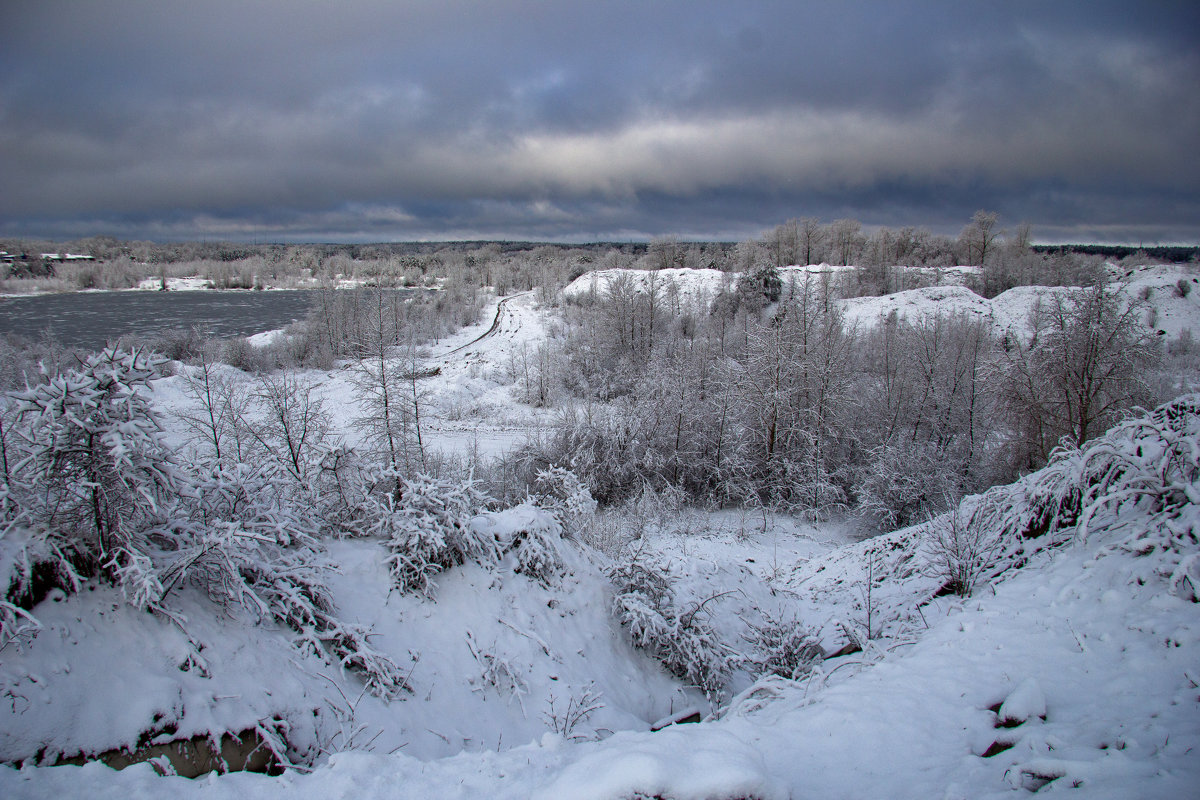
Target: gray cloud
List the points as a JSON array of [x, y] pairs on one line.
[[377, 120]]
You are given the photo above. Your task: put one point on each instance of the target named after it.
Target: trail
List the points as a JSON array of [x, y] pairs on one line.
[[474, 393], [501, 308]]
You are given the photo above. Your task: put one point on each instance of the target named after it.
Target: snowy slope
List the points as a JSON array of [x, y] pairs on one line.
[[689, 285], [1087, 642], [485, 661], [913, 305]]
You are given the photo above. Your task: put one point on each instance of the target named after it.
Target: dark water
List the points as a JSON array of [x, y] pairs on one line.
[[91, 319]]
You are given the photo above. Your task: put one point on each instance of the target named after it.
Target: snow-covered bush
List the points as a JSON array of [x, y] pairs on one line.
[[96, 477], [98, 492], [563, 494], [339, 488], [532, 538], [1149, 463], [646, 605], [905, 482], [564, 718], [257, 549], [782, 647], [429, 530], [959, 548], [496, 670]]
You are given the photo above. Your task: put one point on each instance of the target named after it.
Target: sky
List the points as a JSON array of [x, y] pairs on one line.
[[366, 121]]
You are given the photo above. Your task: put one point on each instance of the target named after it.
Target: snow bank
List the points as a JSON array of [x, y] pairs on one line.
[[174, 284], [690, 286], [913, 305]]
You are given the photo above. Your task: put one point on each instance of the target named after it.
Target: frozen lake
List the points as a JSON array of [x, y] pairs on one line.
[[91, 319]]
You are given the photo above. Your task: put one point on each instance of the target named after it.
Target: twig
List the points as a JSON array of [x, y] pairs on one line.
[[531, 637]]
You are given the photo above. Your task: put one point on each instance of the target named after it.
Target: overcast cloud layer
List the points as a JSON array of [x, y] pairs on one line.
[[372, 121]]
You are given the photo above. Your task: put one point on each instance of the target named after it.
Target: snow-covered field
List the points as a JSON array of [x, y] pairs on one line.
[[1086, 641]]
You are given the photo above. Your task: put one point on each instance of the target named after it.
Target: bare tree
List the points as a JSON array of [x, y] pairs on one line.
[[221, 403], [1087, 361], [294, 428], [811, 240], [665, 252], [784, 244], [846, 240], [977, 238], [414, 402], [378, 379]]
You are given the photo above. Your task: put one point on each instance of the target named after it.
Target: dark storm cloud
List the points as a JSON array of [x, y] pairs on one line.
[[383, 120]]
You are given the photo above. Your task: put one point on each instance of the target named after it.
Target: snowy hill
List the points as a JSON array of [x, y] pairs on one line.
[[1170, 305]]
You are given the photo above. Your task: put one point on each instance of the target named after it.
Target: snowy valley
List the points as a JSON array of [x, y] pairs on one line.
[[403, 634]]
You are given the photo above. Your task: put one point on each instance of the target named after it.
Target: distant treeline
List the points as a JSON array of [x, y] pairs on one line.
[[108, 248], [1172, 254]]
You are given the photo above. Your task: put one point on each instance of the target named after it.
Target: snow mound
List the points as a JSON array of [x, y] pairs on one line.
[[1169, 295], [1026, 702], [914, 305], [689, 286]]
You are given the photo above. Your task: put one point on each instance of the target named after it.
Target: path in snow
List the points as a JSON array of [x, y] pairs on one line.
[[472, 402]]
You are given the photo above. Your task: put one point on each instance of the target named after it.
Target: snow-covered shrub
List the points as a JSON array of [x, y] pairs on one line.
[[782, 647], [564, 718], [429, 530], [339, 488], [563, 494], [96, 477], [495, 670], [681, 639], [531, 537], [904, 482], [959, 548], [608, 451], [257, 550], [1149, 464], [17, 625]]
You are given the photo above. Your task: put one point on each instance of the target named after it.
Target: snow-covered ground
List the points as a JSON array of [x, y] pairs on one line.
[[468, 405], [196, 283], [1076, 671], [1100, 635], [1165, 306]]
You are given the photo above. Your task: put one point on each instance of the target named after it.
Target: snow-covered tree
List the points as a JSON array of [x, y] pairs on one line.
[[217, 420], [97, 474], [293, 427], [647, 607]]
